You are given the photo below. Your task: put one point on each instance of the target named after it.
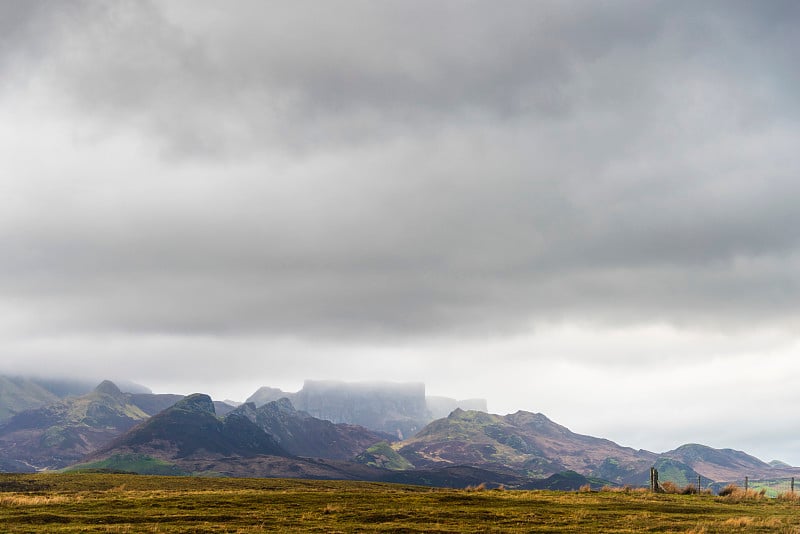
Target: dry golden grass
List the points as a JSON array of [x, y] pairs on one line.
[[624, 489], [733, 493], [789, 496], [738, 522], [124, 503], [16, 499]]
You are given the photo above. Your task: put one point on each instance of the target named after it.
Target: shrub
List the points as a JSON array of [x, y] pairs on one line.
[[734, 493], [670, 487], [689, 489], [586, 488]]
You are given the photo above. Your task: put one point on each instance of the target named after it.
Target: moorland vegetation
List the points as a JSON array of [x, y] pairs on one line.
[[104, 502]]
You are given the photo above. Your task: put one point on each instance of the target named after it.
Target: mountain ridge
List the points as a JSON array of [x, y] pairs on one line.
[[58, 434], [304, 435], [173, 434]]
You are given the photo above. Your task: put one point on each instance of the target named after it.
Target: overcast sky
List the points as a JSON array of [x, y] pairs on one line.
[[585, 209]]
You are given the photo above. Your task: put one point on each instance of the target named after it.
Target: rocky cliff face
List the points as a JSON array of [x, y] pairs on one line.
[[400, 409], [303, 435], [191, 427]]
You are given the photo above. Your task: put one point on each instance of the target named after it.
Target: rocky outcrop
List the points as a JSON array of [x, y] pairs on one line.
[[267, 394], [303, 435], [400, 409], [397, 408], [192, 427]]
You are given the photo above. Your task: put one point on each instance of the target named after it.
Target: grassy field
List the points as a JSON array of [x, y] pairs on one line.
[[137, 503]]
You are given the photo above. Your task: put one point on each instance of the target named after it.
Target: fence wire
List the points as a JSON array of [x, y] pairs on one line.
[[771, 487]]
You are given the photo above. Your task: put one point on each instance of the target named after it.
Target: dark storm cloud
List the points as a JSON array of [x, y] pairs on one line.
[[373, 169]]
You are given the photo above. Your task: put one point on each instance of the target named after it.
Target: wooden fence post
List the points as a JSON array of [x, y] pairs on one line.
[[698, 484], [654, 487], [792, 484], [746, 480]]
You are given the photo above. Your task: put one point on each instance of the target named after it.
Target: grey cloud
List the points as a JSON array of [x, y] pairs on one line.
[[412, 256], [473, 196], [305, 75], [416, 169]]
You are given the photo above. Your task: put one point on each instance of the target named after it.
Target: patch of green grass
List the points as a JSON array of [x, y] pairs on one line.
[[131, 463], [383, 455], [675, 472], [138, 503]]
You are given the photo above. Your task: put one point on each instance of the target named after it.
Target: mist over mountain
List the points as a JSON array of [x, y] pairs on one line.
[[59, 433], [397, 408], [208, 196], [19, 393], [184, 435], [189, 438]]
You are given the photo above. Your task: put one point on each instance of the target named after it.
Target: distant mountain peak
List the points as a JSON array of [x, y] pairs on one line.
[[54, 435], [196, 402], [247, 409], [285, 404], [191, 426], [282, 406], [266, 394], [470, 415], [108, 387]]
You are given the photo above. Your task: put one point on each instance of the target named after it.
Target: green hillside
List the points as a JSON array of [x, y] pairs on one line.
[[130, 463], [19, 394], [62, 432], [384, 456]]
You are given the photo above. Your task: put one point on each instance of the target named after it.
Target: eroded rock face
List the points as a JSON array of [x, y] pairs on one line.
[[196, 402], [399, 409], [191, 427], [303, 435], [389, 407], [267, 394]]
